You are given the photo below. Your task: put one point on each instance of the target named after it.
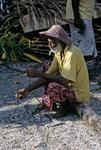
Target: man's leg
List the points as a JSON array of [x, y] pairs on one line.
[[85, 42]]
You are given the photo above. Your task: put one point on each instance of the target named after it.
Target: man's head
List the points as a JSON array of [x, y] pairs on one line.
[[57, 35]]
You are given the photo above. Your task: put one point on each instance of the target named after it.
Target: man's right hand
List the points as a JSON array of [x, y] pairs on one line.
[[78, 23], [21, 93]]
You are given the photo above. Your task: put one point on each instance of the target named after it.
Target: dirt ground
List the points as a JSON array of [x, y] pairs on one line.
[[22, 129]]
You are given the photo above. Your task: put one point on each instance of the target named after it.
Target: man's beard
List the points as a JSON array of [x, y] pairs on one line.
[[58, 48], [55, 49]]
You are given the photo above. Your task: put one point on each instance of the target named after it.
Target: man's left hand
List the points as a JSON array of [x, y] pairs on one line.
[[33, 73]]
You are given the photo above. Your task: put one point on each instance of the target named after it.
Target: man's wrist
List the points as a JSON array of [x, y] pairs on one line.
[[27, 89], [77, 16]]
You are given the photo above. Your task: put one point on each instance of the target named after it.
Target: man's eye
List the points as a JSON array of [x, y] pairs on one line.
[[50, 42]]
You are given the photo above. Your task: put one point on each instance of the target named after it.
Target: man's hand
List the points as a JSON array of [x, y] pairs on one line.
[[78, 23], [21, 93], [34, 73]]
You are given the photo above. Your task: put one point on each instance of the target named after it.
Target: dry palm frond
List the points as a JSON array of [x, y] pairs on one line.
[[97, 31], [40, 13]]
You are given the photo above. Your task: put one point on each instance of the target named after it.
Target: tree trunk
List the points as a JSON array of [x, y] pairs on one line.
[[89, 116]]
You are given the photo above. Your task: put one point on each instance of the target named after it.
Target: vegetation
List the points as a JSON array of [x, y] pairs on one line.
[[12, 48]]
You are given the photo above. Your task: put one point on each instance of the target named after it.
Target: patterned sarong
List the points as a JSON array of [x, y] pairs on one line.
[[55, 92]]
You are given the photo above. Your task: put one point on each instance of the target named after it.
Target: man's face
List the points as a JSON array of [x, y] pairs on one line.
[[52, 43]]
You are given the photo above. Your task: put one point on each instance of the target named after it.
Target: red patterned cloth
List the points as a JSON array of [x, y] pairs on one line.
[[55, 92]]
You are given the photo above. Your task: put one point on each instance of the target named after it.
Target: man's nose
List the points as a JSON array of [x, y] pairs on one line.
[[50, 45]]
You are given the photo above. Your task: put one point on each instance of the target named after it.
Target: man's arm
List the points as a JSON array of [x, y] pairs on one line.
[[56, 78], [36, 84], [78, 22], [75, 5], [48, 77]]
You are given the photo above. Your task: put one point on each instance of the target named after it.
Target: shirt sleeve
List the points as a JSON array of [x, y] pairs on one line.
[[69, 68], [54, 66]]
